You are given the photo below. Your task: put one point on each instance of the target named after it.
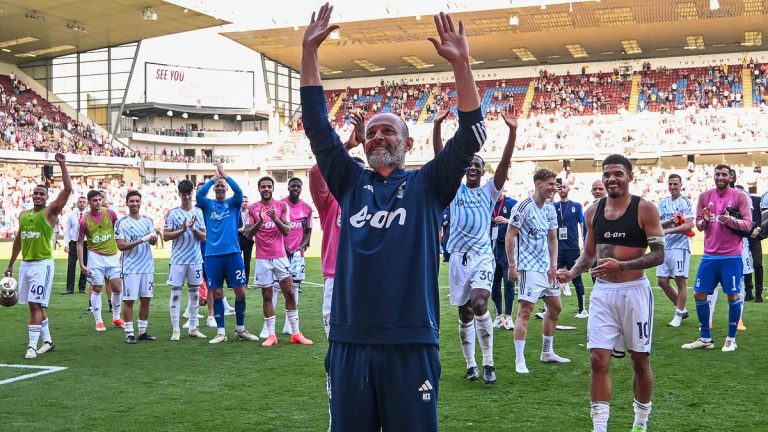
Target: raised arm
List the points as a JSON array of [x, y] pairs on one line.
[[317, 31], [202, 194], [54, 209], [452, 46], [437, 135], [502, 170]]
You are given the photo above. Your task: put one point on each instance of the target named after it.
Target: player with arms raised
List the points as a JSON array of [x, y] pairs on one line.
[[36, 271], [620, 228]]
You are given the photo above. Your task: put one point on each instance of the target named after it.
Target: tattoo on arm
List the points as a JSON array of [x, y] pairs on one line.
[[583, 263], [651, 259]]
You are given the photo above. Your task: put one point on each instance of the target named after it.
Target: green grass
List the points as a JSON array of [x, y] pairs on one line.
[[191, 385]]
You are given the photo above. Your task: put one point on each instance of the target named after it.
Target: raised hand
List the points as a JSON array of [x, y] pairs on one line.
[[184, 225], [357, 136], [706, 213], [60, 158], [511, 121], [220, 170], [192, 221], [441, 115], [452, 45], [318, 29], [271, 213]]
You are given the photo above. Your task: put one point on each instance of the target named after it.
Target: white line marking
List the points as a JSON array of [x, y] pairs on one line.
[[44, 371]]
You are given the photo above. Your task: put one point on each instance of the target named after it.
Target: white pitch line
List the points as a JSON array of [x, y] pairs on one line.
[[45, 370]]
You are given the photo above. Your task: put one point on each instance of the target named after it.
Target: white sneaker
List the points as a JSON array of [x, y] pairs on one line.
[[245, 335], [230, 311], [175, 335], [700, 344], [583, 314], [31, 353], [676, 321], [210, 322], [551, 357], [219, 338], [186, 325], [521, 368], [186, 315], [509, 323], [287, 328], [499, 321], [45, 347], [264, 332], [566, 289], [730, 345], [541, 314], [197, 334]]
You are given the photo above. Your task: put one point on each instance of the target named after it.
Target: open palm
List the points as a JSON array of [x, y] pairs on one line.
[[318, 30], [511, 118], [452, 45]]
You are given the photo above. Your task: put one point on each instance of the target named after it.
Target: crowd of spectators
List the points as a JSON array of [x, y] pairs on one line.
[[583, 94], [759, 82], [664, 89]]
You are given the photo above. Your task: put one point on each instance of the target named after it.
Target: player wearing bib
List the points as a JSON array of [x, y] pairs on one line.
[[472, 263], [570, 219], [103, 262], [271, 224], [385, 306], [619, 230], [33, 241], [722, 260], [134, 234], [532, 255], [223, 259], [184, 226], [676, 212]]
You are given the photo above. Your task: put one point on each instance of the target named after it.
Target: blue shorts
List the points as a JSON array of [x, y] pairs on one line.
[[383, 387], [229, 267], [725, 271]]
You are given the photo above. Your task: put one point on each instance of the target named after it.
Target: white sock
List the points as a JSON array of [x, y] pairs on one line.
[[327, 324], [712, 300], [239, 328], [270, 321], [117, 306], [742, 294], [642, 411], [128, 328], [45, 331], [194, 307], [226, 303], [484, 329], [296, 288], [600, 412], [467, 337], [96, 307], [174, 305], [292, 316], [547, 344], [275, 295], [519, 351], [143, 326], [34, 335]]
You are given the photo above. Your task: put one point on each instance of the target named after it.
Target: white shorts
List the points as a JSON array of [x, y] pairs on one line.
[[468, 272], [535, 285], [137, 285], [621, 310], [35, 282], [746, 260], [269, 270], [677, 262], [103, 267], [192, 273], [297, 267], [327, 295]]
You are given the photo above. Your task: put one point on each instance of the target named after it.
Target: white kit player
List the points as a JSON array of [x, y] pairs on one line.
[[676, 212], [134, 234], [533, 232], [472, 261], [185, 226]]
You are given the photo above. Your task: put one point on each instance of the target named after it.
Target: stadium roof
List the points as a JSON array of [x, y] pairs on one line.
[[160, 110], [584, 32], [52, 28]]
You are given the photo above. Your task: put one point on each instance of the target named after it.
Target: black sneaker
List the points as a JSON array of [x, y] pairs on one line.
[[749, 297], [147, 337], [473, 374], [685, 315], [758, 298], [67, 293], [541, 313], [489, 374], [130, 339], [88, 311]]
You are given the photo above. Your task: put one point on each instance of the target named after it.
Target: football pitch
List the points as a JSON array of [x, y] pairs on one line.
[[191, 385]]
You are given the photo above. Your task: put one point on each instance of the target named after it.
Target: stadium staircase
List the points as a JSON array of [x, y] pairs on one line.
[[336, 105], [746, 81], [424, 114], [634, 95], [528, 99]]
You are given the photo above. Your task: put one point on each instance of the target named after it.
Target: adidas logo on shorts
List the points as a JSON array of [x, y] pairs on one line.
[[425, 389]]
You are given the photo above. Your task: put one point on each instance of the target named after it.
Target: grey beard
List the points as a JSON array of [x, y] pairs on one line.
[[392, 158]]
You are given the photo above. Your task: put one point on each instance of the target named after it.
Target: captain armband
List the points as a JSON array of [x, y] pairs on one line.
[[656, 240]]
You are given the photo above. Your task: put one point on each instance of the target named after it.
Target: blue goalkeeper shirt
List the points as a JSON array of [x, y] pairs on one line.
[[220, 219], [385, 290]]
